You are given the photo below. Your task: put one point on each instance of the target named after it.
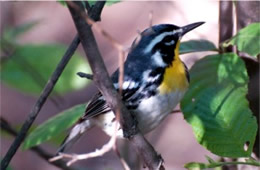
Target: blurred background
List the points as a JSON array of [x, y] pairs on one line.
[[50, 27]]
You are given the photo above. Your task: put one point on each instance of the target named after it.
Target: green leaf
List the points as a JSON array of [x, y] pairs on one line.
[[196, 46], [29, 68], [247, 40], [195, 166], [198, 165], [54, 126], [216, 106]]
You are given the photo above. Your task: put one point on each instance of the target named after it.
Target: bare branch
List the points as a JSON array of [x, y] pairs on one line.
[[103, 82], [46, 91], [38, 150]]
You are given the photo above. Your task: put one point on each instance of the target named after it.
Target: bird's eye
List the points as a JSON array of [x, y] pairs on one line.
[[168, 40]]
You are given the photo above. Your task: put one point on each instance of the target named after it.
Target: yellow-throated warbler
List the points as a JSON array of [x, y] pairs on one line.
[[155, 80]]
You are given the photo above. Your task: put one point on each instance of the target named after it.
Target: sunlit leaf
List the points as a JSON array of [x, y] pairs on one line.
[[196, 46], [247, 39], [29, 68], [216, 106], [54, 126]]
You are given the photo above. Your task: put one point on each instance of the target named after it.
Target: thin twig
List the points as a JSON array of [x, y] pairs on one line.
[[121, 58], [85, 75], [38, 150], [150, 18], [104, 83], [176, 111], [122, 160]]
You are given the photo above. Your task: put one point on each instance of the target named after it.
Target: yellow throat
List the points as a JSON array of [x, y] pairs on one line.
[[175, 75]]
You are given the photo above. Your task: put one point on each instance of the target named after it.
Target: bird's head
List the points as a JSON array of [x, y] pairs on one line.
[[162, 42]]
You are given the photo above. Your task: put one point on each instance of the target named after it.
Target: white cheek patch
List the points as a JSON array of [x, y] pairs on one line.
[[157, 60]]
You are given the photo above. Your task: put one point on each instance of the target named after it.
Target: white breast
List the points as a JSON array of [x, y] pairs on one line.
[[153, 110], [149, 113]]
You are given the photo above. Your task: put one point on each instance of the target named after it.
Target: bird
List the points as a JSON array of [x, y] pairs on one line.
[[155, 80]]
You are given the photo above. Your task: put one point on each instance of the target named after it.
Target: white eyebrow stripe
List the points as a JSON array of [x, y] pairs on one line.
[[156, 40]]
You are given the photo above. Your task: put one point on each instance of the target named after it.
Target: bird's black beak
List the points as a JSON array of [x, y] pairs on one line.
[[190, 27]]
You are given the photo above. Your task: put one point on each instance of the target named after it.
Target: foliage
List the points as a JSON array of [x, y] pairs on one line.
[[247, 39], [216, 106], [28, 67], [54, 126], [218, 84], [214, 164]]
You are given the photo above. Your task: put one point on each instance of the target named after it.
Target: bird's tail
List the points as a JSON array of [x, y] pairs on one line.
[[74, 135]]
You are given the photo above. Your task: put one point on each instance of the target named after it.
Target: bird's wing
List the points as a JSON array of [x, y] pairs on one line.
[[98, 104]]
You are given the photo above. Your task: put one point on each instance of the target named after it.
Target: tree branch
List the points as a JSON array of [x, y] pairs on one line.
[[95, 15], [104, 83], [38, 150]]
